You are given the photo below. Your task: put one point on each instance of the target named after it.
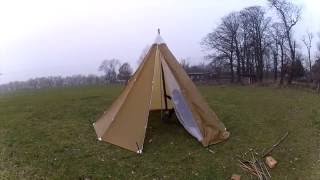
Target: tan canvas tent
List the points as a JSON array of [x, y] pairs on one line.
[[160, 83]]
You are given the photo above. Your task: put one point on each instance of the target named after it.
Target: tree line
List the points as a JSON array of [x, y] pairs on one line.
[[52, 82], [115, 72], [248, 43]]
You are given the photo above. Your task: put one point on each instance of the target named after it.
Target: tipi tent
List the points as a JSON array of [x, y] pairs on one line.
[[160, 83]]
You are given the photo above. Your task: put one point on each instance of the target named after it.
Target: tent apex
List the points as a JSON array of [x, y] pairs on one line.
[[159, 39]]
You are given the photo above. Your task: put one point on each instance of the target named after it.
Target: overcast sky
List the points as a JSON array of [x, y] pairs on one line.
[[66, 37]]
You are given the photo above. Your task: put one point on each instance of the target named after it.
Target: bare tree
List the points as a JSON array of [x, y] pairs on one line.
[[223, 41], [231, 22], [278, 37], [307, 41], [289, 15], [257, 26], [125, 71], [109, 67], [274, 46]]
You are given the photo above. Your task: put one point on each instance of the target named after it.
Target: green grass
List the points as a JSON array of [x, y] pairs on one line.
[[48, 134]]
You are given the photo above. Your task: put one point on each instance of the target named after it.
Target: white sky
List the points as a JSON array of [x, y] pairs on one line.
[[66, 37]]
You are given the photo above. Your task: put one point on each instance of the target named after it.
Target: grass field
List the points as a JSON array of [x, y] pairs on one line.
[[48, 134]]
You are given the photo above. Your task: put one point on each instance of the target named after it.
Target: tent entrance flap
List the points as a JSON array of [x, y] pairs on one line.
[[180, 105], [159, 99]]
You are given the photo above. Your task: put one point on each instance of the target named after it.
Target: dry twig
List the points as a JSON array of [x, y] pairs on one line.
[[276, 144]]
